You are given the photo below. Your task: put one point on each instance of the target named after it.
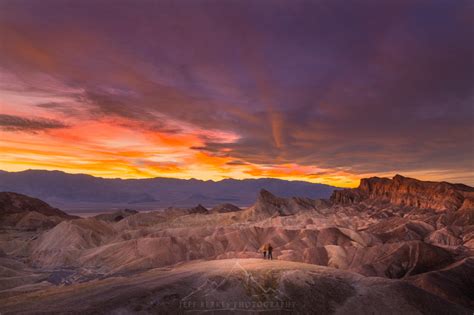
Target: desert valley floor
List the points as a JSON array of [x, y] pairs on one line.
[[389, 246]]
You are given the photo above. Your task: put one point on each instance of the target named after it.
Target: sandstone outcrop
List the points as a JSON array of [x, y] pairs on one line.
[[408, 192]]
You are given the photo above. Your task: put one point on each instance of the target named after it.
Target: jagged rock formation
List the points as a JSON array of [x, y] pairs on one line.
[[409, 192], [270, 205]]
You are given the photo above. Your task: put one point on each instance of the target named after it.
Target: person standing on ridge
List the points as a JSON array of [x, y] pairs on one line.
[[264, 249], [269, 250]]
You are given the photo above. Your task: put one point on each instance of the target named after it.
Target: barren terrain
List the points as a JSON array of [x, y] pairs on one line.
[[391, 245]]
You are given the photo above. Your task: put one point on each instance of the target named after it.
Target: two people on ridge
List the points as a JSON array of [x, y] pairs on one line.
[[267, 250]]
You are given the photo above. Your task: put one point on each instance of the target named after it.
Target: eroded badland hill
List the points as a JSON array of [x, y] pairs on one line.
[[389, 246]]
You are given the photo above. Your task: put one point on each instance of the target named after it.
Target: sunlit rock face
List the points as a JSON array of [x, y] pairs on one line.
[[408, 192], [420, 233]]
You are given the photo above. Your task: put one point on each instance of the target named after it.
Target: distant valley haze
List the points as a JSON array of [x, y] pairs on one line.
[[75, 192]]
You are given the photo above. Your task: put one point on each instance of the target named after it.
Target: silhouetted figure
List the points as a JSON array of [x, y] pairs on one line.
[[264, 249], [270, 249]]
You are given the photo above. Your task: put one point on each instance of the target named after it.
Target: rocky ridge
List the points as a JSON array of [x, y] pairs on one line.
[[408, 192]]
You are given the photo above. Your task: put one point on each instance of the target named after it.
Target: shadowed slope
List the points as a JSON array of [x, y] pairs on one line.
[[220, 285], [26, 213]]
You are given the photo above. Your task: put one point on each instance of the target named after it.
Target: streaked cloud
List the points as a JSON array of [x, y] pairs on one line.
[[17, 123], [326, 91]]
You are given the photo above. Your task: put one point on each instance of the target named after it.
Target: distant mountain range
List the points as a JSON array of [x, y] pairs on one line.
[[80, 191]]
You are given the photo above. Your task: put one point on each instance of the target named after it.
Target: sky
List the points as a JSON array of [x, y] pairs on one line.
[[322, 91]]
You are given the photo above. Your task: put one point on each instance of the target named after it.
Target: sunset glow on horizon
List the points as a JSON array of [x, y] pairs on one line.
[[116, 150], [237, 89]]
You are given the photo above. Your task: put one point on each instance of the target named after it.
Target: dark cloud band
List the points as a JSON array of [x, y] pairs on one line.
[[18, 123]]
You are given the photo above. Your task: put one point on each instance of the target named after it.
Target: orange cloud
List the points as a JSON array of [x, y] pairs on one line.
[[107, 149]]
